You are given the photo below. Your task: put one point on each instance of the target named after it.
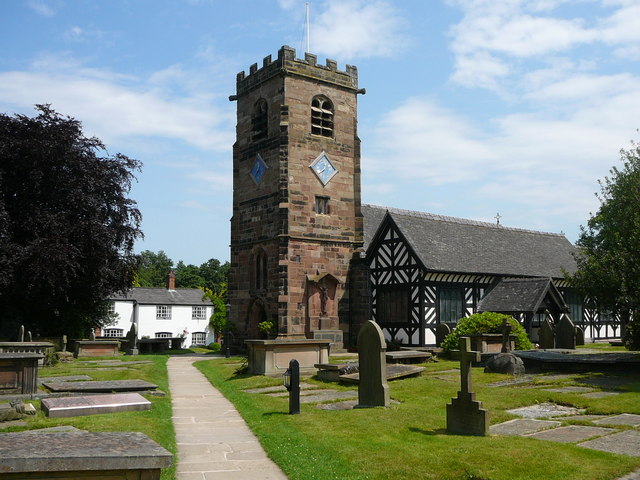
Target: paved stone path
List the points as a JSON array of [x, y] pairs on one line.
[[213, 441]]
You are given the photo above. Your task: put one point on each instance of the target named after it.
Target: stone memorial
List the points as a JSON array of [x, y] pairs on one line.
[[373, 389], [19, 372], [442, 330], [507, 363], [15, 410], [465, 415], [132, 340], [506, 331], [29, 336], [547, 335], [96, 348], [101, 386], [565, 333], [81, 455], [579, 336], [21, 334], [94, 404], [92, 335]]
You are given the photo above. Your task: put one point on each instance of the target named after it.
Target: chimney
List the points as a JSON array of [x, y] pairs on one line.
[[171, 280]]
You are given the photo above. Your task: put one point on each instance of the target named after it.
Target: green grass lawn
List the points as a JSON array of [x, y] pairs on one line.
[[155, 423], [408, 439]]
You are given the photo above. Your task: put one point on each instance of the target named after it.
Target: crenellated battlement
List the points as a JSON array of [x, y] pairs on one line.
[[289, 64]]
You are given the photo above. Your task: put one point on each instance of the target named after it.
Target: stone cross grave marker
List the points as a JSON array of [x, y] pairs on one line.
[[565, 333], [465, 415], [373, 389], [506, 331], [546, 336]]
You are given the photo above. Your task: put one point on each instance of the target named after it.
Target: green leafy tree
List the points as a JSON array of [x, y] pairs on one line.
[[609, 247], [153, 269], [67, 226], [188, 276], [218, 320], [215, 274]]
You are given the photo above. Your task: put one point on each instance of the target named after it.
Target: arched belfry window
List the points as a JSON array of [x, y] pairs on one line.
[[260, 270], [259, 119], [322, 116]]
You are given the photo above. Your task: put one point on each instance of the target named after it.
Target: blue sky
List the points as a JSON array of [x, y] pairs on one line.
[[472, 107]]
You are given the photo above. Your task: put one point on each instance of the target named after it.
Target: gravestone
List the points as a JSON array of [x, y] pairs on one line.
[[132, 340], [506, 331], [92, 335], [579, 336], [565, 333], [64, 343], [465, 415], [21, 334], [505, 363], [101, 386], [547, 335], [373, 389], [442, 331], [94, 404], [29, 336]]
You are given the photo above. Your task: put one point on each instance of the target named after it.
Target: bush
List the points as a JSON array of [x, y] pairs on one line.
[[632, 335], [486, 322], [214, 347]]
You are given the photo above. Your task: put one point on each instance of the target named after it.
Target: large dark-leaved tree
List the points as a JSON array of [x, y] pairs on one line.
[[609, 247], [67, 226]]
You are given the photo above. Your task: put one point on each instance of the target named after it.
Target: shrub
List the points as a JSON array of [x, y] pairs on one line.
[[632, 335], [214, 347], [486, 322]]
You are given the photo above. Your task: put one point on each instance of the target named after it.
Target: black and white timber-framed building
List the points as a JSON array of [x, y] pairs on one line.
[[428, 269]]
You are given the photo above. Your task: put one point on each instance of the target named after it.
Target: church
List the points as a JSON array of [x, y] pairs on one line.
[[309, 258]]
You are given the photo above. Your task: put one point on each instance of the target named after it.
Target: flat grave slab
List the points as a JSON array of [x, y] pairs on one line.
[[569, 389], [117, 454], [519, 380], [331, 395], [66, 378], [622, 419], [94, 404], [336, 406], [600, 394], [394, 371], [626, 442], [571, 433], [279, 388], [303, 393], [545, 410], [101, 386], [605, 381], [522, 426], [407, 356], [581, 418]]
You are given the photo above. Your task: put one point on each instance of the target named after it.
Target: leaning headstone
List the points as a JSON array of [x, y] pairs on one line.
[[465, 415], [442, 330], [29, 336], [21, 334], [132, 340], [579, 336], [506, 331], [565, 333], [64, 343], [373, 389], [546, 335], [92, 335]]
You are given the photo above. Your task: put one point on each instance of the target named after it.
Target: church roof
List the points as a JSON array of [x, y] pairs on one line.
[[162, 296], [449, 244], [521, 295]]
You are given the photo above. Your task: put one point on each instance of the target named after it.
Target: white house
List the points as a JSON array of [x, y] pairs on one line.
[[163, 313]]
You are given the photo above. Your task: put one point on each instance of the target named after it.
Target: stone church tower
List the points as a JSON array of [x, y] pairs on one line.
[[297, 220]]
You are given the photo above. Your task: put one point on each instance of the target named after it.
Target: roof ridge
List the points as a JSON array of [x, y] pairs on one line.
[[462, 221]]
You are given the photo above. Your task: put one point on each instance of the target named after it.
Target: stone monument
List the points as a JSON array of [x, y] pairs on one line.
[[565, 333], [547, 338], [373, 389], [21, 334], [465, 415], [579, 336], [132, 340], [506, 331]]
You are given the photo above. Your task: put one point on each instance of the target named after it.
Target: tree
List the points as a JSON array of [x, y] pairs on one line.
[[609, 247], [218, 320], [67, 226], [215, 275], [188, 276], [154, 268]]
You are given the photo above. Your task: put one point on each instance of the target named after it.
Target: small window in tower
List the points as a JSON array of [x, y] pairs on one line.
[[322, 116], [259, 120], [322, 205], [260, 270]]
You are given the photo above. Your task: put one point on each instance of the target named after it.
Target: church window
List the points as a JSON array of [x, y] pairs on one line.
[[392, 304], [259, 119], [322, 116], [322, 205], [260, 271], [451, 305]]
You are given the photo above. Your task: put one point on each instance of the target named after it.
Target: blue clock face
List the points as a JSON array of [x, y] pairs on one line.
[[323, 168], [258, 169]]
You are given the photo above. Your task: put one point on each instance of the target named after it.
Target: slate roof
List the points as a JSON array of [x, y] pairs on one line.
[[449, 244], [162, 296], [520, 295]]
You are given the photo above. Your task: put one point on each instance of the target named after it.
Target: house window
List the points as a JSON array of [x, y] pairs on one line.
[[392, 305], [260, 270], [199, 338], [113, 332], [451, 305], [322, 116], [198, 313], [322, 205], [259, 120], [163, 312], [163, 335]]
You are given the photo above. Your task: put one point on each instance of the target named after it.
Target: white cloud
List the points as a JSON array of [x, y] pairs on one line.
[[41, 8], [347, 29]]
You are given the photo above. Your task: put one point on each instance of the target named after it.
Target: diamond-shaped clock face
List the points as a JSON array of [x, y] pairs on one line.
[[258, 169], [323, 168]]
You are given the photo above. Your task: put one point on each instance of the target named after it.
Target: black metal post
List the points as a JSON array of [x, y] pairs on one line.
[[294, 389], [227, 346]]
